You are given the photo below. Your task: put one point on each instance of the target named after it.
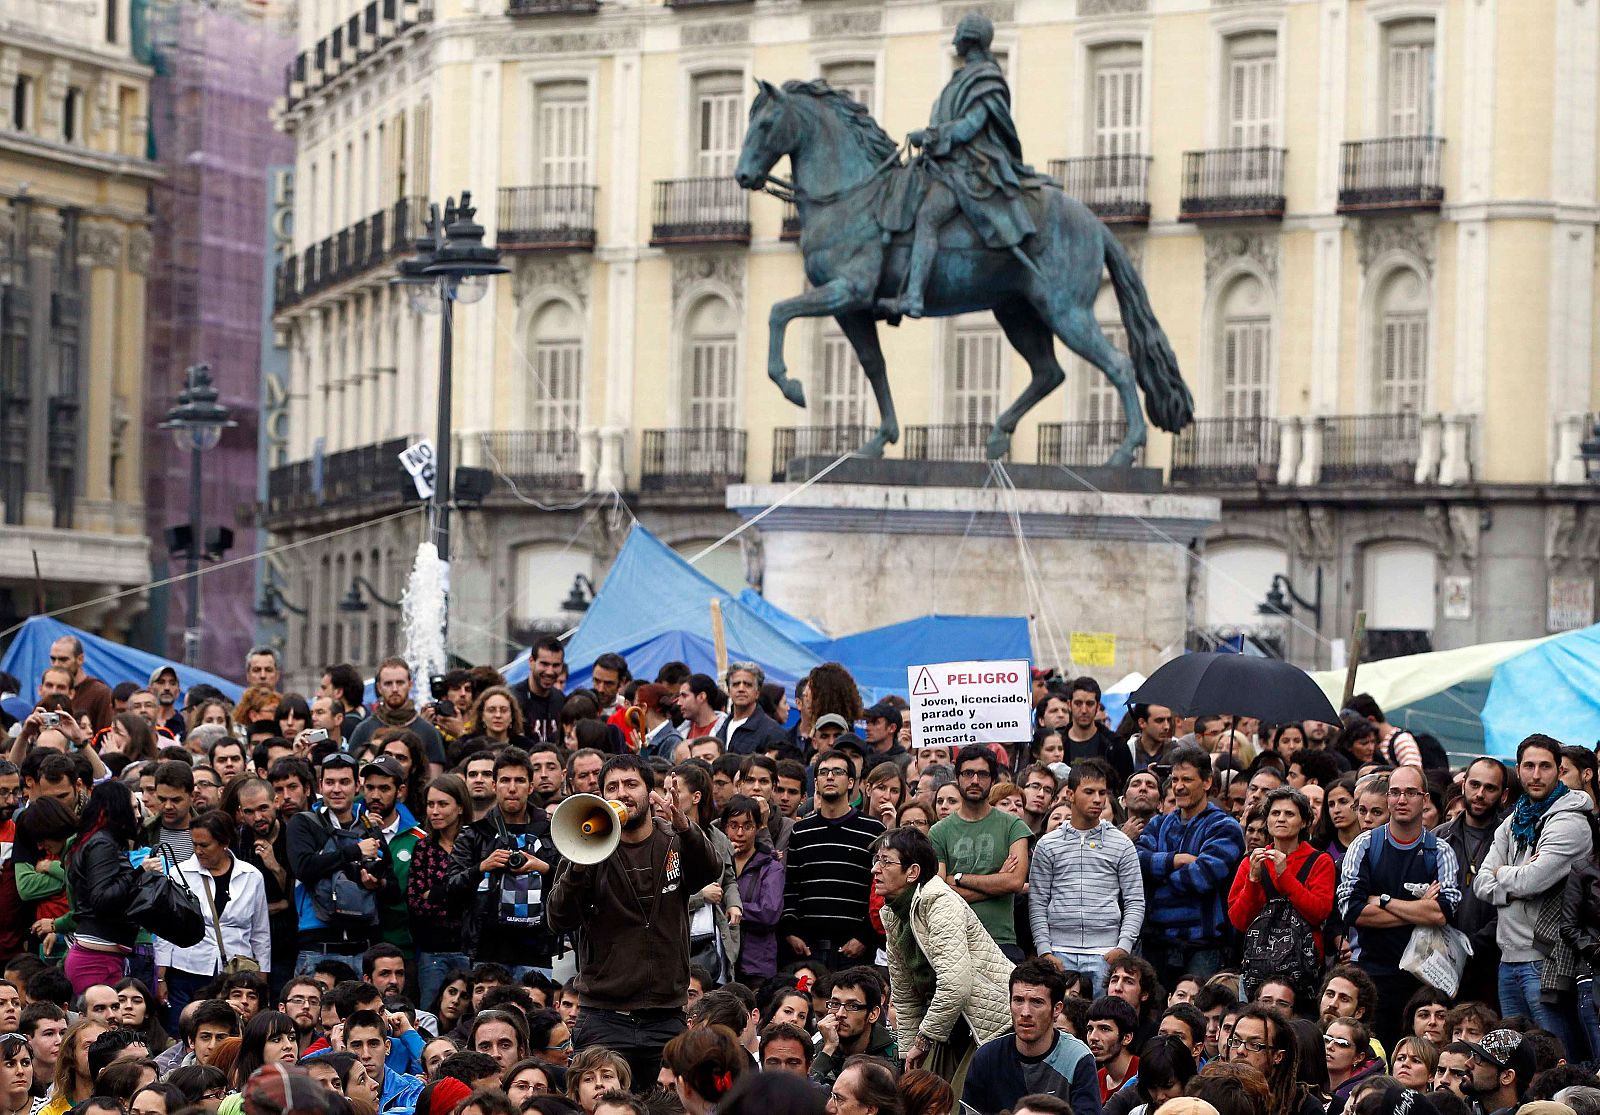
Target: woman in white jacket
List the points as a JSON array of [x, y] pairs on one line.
[[240, 896], [949, 981]]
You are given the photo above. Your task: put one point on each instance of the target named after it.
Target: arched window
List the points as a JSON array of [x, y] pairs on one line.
[[555, 391], [544, 576], [1399, 593], [1400, 344], [710, 366], [1244, 354], [1237, 577]]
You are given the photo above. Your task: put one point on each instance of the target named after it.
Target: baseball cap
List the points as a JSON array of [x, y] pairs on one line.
[[1505, 1049], [384, 764], [885, 711], [830, 720], [159, 670]]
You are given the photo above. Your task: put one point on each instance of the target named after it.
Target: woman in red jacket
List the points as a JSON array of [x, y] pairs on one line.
[[1287, 866]]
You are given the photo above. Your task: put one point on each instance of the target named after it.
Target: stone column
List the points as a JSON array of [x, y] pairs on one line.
[[44, 234], [100, 258], [131, 373]]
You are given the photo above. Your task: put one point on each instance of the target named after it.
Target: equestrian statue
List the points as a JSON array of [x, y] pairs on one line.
[[965, 225]]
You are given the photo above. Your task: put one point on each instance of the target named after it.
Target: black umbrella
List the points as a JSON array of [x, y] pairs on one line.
[[1270, 689]]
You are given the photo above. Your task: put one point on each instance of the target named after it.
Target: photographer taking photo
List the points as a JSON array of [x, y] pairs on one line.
[[499, 871]]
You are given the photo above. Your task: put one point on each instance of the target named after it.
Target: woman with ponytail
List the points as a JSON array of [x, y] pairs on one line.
[[706, 1063]]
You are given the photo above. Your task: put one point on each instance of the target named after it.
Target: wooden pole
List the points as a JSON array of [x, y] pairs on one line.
[[718, 640], [1358, 635]]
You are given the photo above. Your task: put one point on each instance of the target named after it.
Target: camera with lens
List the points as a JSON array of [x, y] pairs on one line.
[[446, 709], [436, 686], [517, 861]]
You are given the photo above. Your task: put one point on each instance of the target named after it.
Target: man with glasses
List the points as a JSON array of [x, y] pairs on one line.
[[983, 851], [828, 883], [302, 1001], [1395, 878], [852, 1024]]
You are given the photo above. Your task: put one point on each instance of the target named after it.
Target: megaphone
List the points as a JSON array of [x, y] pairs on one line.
[[587, 828]]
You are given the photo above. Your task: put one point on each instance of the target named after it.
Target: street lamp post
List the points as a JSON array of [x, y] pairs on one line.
[[196, 422], [452, 265]]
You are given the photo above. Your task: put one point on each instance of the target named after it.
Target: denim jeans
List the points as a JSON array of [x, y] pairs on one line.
[[1090, 966], [432, 967], [310, 958], [1174, 961], [1520, 994]]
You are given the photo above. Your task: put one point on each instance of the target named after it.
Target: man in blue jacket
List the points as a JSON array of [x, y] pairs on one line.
[[1189, 858], [1035, 1058]]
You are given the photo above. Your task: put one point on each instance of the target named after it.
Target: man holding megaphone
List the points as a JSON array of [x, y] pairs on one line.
[[630, 911]]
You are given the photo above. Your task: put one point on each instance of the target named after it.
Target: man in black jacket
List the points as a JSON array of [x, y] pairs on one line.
[[499, 870], [633, 908], [747, 729], [541, 697], [1471, 835]]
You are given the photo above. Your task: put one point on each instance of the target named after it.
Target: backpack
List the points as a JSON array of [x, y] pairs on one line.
[[339, 900], [1281, 944], [1380, 837]]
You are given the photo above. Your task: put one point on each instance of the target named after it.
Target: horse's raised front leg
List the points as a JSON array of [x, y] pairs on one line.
[[861, 330], [825, 301]]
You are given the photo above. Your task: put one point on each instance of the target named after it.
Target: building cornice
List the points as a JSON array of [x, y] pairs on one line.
[[22, 37], [26, 146]]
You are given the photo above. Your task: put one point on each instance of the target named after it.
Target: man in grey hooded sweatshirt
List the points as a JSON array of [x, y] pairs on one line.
[[1534, 849], [1085, 889]]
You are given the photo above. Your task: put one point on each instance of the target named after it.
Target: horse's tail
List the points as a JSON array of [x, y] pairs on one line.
[[1166, 397]]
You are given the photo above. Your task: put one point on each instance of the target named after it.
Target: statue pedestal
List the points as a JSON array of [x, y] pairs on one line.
[[854, 555]]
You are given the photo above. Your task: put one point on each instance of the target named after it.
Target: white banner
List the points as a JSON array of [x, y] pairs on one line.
[[957, 703]]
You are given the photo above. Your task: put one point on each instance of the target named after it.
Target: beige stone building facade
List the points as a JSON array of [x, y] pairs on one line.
[[1366, 225], [74, 246]]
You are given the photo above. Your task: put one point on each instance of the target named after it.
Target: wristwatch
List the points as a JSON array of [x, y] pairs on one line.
[[1384, 900], [956, 878]]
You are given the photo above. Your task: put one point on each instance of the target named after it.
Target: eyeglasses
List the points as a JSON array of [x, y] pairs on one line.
[[1237, 1042], [1339, 1043], [212, 1094], [836, 1005], [974, 774], [880, 861], [833, 772], [304, 1000], [1407, 792]]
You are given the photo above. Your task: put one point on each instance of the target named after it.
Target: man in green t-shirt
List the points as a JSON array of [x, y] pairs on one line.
[[983, 851]]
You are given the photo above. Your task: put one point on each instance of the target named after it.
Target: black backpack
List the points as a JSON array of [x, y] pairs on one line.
[[1282, 945]]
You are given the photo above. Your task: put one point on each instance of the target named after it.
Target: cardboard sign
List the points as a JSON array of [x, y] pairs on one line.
[[957, 703], [418, 461], [1094, 648]]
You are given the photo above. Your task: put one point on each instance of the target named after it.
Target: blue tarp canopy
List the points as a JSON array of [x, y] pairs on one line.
[[649, 592], [878, 658], [1553, 688], [645, 659], [111, 662]]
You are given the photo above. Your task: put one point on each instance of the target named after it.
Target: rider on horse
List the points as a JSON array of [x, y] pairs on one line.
[[971, 163]]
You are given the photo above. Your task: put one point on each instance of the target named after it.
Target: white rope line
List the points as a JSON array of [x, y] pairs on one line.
[[1033, 578], [218, 567], [770, 508]]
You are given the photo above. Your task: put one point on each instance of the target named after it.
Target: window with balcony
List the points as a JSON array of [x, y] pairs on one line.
[[1408, 54], [555, 397], [1117, 101], [842, 396], [853, 78], [1400, 341], [719, 123], [1252, 91], [562, 139], [1245, 351], [711, 374]]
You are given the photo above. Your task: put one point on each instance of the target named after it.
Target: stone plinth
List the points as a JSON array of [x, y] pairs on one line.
[[852, 556]]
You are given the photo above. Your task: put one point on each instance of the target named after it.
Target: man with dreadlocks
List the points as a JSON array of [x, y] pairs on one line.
[[1263, 1039]]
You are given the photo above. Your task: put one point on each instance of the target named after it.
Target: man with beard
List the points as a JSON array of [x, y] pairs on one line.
[[499, 871], [1471, 835], [540, 696], [828, 873], [545, 767], [1503, 1065], [983, 851], [1035, 1058], [291, 780], [395, 710], [633, 907], [164, 684], [301, 1000], [851, 1024], [1152, 744], [1110, 1038], [1142, 799], [1039, 785], [263, 843]]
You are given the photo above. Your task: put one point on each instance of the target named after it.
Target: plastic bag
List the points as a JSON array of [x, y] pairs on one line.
[[1437, 955]]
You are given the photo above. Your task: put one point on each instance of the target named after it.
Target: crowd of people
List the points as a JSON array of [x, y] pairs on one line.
[[803, 911]]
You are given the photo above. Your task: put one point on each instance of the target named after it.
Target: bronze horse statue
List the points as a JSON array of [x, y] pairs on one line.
[[842, 164]]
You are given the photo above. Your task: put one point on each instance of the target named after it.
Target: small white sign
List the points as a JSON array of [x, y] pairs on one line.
[[418, 461], [957, 703]]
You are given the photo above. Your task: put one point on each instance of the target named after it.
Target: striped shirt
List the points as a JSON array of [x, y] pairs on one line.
[[828, 885]]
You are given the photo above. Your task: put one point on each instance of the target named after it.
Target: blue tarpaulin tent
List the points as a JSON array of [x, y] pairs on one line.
[[111, 662], [1553, 687], [878, 658], [673, 646], [651, 591]]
